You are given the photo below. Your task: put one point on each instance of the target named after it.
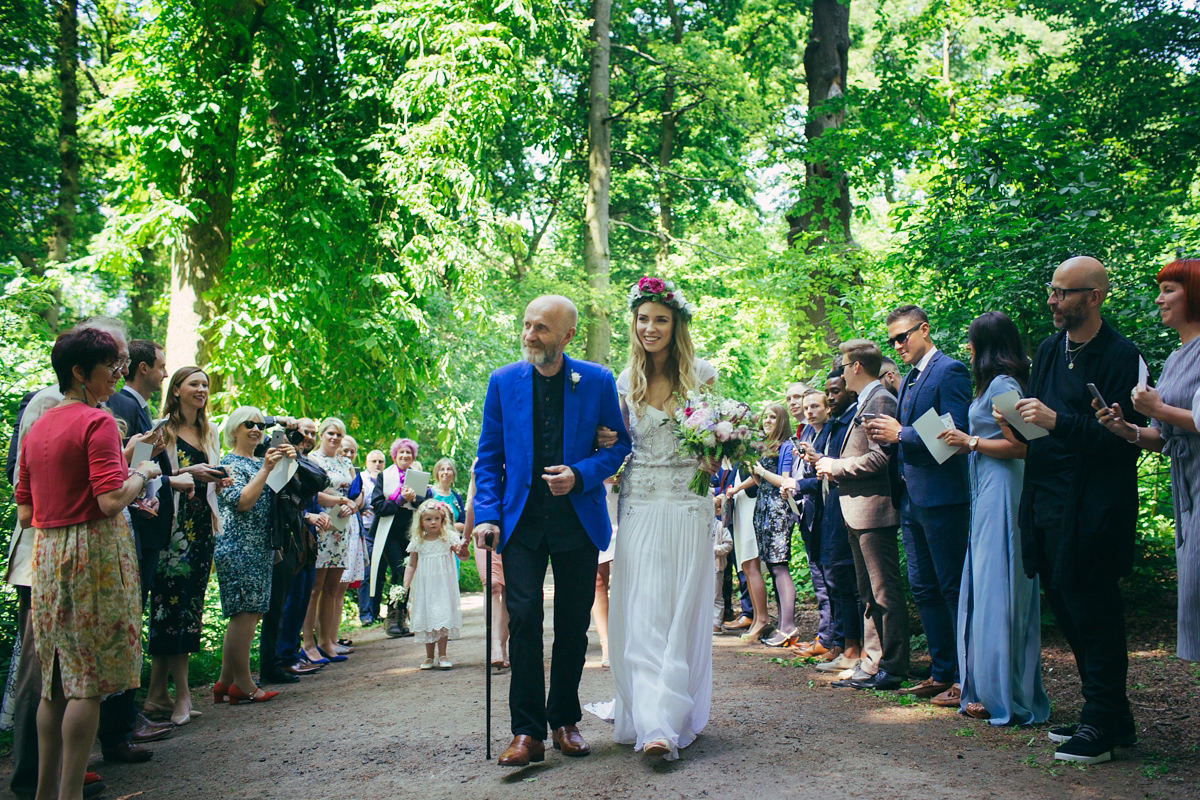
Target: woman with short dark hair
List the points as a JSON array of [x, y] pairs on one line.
[[87, 615]]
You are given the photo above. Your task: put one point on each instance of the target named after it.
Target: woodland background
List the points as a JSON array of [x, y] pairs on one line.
[[341, 208]]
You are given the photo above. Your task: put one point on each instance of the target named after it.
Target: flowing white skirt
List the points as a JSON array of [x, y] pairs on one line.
[[660, 621]]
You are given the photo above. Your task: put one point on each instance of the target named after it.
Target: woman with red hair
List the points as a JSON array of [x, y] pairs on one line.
[[1172, 407]]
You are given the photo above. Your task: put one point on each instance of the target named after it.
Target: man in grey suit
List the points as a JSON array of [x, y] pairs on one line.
[[861, 472]]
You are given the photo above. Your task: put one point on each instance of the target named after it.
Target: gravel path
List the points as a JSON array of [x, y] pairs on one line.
[[377, 727]]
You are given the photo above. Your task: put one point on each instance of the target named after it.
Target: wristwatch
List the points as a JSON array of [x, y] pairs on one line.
[[973, 443]]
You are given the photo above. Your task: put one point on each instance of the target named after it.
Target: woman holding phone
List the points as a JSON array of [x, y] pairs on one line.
[[181, 578]]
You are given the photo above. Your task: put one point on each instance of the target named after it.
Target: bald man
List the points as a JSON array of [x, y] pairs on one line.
[[540, 501], [1079, 501]]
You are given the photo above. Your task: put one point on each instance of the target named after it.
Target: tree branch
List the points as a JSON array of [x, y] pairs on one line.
[[668, 237]]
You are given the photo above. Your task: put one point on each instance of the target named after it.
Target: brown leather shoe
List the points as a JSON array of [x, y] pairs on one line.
[[741, 623], [126, 753], [832, 654], [146, 731], [814, 650], [926, 688], [570, 741], [301, 669], [951, 698], [521, 751]]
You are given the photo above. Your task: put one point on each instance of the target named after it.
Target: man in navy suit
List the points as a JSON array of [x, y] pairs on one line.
[[540, 500], [934, 499]]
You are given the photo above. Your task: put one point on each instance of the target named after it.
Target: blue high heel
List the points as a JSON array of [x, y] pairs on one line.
[[329, 658], [303, 656]]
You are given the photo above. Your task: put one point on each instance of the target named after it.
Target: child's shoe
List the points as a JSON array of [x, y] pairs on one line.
[[428, 664], [445, 663]]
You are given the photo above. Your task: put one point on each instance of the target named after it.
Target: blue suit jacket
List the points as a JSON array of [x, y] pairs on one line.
[[504, 472], [944, 385]]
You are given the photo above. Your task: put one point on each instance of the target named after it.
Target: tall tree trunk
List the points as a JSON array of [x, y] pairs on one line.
[[827, 193], [68, 152], [144, 289], [595, 244], [666, 143], [210, 178]]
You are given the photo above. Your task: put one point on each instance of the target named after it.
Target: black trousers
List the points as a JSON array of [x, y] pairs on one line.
[[574, 591], [268, 638], [1092, 617]]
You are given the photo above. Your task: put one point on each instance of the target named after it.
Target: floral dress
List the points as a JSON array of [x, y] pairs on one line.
[[772, 518], [180, 581], [334, 546], [243, 552]]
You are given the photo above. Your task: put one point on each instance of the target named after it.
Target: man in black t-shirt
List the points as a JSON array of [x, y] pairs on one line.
[[1079, 502]]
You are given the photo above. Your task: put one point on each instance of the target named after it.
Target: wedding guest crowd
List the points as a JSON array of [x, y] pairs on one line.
[[1002, 479]]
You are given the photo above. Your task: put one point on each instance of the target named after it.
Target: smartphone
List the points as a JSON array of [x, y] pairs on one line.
[[276, 438], [865, 416], [158, 425], [1096, 394]]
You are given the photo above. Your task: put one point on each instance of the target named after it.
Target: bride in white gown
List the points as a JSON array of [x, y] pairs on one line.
[[661, 591]]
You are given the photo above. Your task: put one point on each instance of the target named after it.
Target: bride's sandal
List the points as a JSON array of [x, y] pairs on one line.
[[657, 747]]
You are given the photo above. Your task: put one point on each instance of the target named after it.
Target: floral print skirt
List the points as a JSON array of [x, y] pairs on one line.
[[87, 608]]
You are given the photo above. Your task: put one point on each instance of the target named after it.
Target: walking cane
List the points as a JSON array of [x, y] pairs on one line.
[[487, 652]]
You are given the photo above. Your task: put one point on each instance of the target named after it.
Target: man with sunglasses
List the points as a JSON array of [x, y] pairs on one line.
[[1079, 503], [934, 499]]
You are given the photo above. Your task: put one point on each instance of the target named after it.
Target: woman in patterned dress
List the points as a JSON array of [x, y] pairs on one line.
[[181, 578], [324, 613], [74, 485], [243, 551]]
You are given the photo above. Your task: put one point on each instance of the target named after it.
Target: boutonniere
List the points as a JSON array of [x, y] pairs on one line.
[[575, 376]]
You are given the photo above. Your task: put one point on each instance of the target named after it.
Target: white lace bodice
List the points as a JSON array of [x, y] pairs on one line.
[[657, 469]]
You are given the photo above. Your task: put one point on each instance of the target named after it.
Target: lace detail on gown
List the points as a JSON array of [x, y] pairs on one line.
[[660, 613]]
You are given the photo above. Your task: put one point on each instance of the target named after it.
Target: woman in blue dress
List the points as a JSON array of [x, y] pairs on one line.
[[243, 554], [999, 618]]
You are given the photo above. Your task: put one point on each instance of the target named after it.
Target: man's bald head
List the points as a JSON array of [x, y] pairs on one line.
[[1077, 291], [1082, 271], [550, 322]]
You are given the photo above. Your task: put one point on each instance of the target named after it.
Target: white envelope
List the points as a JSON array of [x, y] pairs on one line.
[[1143, 373], [928, 426], [1006, 404], [281, 474], [339, 523]]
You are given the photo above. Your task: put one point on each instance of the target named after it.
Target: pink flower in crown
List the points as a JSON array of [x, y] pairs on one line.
[[651, 285]]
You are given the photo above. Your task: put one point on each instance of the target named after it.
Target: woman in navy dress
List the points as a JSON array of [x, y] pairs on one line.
[[999, 617]]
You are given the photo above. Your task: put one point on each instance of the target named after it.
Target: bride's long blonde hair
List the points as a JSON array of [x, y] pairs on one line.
[[680, 368]]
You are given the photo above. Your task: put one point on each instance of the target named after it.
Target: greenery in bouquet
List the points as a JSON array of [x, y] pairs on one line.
[[714, 428]]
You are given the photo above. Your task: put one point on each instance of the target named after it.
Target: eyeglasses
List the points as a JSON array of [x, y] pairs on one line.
[[1060, 294], [901, 338], [119, 367], [251, 424]]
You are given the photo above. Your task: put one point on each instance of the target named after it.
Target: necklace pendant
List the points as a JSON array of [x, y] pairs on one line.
[[1070, 366]]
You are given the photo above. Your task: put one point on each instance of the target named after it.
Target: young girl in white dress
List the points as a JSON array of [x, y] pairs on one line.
[[431, 580], [660, 613]]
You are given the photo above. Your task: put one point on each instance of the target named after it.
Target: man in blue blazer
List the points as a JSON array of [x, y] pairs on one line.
[[540, 499], [934, 499]]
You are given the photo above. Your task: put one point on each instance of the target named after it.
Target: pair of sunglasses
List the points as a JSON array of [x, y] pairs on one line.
[[249, 424]]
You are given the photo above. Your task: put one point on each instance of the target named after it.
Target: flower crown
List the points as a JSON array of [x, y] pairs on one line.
[[657, 290]]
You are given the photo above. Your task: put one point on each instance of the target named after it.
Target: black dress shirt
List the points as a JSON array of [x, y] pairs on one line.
[[547, 515]]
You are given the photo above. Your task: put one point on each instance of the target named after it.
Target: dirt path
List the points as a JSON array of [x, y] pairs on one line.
[[376, 727]]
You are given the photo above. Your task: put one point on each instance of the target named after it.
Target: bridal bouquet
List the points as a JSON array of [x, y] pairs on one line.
[[714, 428]]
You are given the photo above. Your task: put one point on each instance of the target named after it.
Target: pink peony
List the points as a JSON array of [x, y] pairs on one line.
[[651, 285]]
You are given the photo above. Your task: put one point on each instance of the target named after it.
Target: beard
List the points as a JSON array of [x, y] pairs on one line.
[[1071, 317], [540, 356]]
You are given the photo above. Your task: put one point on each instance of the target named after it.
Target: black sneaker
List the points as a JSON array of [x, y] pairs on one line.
[[1065, 732], [1089, 745]]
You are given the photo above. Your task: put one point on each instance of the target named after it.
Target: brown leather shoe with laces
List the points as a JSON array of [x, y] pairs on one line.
[[570, 741], [521, 751]]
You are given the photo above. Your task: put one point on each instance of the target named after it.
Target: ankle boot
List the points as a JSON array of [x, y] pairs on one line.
[[392, 628]]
